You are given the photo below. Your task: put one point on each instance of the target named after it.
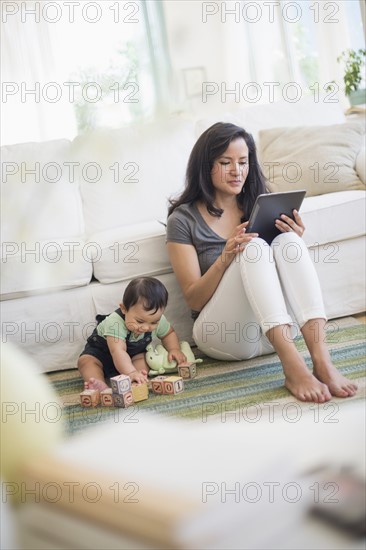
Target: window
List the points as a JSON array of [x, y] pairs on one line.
[[300, 41], [71, 68]]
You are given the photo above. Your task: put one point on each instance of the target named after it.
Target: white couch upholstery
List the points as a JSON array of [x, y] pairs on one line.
[[81, 218]]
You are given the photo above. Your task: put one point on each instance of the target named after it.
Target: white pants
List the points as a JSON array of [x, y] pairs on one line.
[[265, 286]]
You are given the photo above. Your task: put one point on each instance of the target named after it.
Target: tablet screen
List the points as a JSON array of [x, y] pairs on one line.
[[267, 208]]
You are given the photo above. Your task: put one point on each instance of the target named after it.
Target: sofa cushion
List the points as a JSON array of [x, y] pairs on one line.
[[44, 266], [341, 268], [334, 217], [52, 328], [42, 225], [254, 118], [361, 162], [131, 251], [40, 192], [135, 171], [320, 159]]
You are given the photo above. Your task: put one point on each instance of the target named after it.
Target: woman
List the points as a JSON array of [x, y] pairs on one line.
[[247, 297]]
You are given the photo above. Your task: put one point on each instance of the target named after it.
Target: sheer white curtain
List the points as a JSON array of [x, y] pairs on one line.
[[275, 43], [89, 66], [270, 43], [28, 63]]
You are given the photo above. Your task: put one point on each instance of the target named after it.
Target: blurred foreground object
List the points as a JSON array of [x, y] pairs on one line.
[[346, 508], [144, 481], [31, 415], [8, 531]]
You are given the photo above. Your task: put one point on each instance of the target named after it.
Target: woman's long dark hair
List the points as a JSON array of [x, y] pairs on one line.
[[210, 146]]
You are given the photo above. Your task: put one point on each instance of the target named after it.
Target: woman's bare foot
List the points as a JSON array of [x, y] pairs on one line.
[[304, 386], [95, 384], [298, 379], [315, 337], [338, 385]]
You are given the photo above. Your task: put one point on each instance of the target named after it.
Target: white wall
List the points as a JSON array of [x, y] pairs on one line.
[[219, 48], [219, 42]]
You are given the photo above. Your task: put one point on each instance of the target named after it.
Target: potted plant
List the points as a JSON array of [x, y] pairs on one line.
[[354, 63]]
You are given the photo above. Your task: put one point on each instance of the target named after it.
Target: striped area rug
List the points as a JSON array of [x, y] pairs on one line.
[[230, 391]]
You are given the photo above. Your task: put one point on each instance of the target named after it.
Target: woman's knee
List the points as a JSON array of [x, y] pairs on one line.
[[289, 247], [257, 250], [288, 238]]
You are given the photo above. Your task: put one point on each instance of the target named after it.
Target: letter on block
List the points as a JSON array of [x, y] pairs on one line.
[[121, 383], [157, 384], [173, 384], [123, 399], [107, 397], [140, 392], [90, 398], [187, 370]]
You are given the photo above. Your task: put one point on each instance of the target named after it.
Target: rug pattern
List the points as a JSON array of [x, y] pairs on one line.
[[224, 389]]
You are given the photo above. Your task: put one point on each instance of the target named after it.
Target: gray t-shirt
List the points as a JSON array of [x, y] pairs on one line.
[[187, 226]]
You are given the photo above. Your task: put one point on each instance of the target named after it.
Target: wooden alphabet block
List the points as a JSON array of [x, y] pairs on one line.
[[140, 392], [123, 399], [121, 383], [173, 384], [106, 397], [90, 398], [187, 370], [157, 385]]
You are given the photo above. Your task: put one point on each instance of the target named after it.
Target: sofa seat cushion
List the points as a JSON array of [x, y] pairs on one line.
[[334, 217], [52, 328], [129, 251], [44, 266], [320, 159]]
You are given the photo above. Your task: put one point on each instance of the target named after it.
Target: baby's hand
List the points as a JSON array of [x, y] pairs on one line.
[[177, 355], [138, 377]]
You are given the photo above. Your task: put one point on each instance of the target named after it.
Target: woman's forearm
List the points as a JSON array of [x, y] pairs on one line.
[[201, 291]]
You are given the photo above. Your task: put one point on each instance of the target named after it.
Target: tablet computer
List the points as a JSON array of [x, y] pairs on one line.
[[267, 208]]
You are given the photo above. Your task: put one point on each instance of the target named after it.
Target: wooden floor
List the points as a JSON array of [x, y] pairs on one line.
[[361, 317]]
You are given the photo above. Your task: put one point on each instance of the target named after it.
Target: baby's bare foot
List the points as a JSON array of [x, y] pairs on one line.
[[307, 388], [338, 385], [95, 384]]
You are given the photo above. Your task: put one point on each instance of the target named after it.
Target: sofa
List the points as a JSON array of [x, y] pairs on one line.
[[81, 217]]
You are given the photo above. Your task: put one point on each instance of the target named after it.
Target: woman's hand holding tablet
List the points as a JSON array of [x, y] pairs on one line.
[[276, 213]]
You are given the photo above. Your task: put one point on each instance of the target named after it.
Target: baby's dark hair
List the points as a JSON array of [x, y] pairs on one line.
[[149, 291]]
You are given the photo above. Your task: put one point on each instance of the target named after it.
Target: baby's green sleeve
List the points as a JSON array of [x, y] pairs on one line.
[[113, 325], [163, 327]]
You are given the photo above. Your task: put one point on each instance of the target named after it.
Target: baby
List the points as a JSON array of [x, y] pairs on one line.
[[118, 343]]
